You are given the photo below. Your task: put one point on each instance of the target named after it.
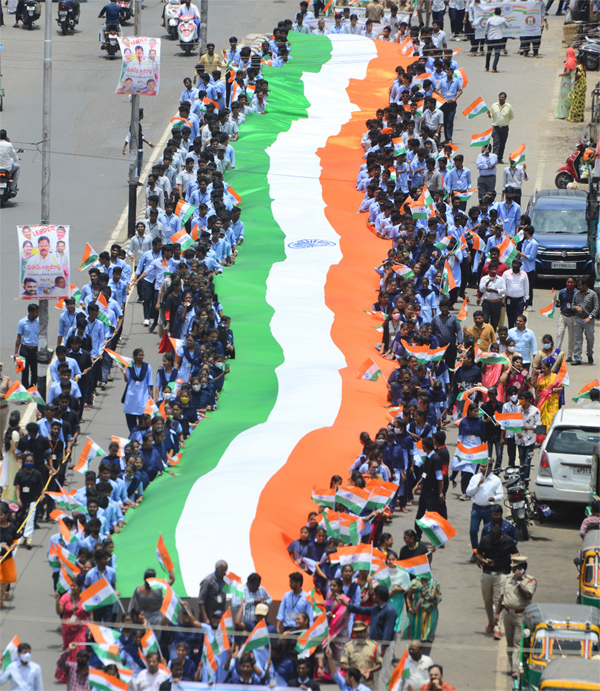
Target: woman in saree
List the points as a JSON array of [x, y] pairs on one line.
[[336, 608], [517, 375], [548, 387], [422, 600], [567, 79], [555, 356], [70, 609], [491, 375], [577, 108]]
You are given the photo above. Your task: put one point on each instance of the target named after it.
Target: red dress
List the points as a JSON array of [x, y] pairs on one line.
[[71, 632]]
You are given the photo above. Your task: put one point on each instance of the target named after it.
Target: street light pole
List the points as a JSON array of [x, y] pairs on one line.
[[135, 146], [44, 354], [203, 26]]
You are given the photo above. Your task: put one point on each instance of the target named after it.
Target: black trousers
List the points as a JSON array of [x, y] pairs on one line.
[[491, 312], [29, 375], [499, 134], [449, 110]]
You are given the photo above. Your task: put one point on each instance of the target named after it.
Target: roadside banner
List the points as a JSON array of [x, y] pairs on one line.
[[44, 255], [140, 70], [524, 18]]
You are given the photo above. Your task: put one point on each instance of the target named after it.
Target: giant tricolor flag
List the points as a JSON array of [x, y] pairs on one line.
[[297, 393]]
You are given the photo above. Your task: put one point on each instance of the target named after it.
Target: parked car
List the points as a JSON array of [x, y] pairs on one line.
[[561, 230], [565, 466]]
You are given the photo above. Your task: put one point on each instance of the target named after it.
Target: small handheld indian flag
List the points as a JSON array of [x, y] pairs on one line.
[[171, 606], [417, 566], [121, 360], [436, 528], [492, 358], [104, 311], [462, 315], [122, 442], [162, 554], [35, 395], [518, 155], [151, 408], [477, 243], [313, 636], [418, 208], [224, 630], [105, 682], [482, 139], [19, 364], [513, 422], [448, 280], [465, 196], [109, 654], [476, 108], [89, 257], [353, 498], [103, 634], [584, 394], [149, 643], [64, 581], [328, 9], [400, 673], [66, 535], [360, 557], [508, 251], [233, 585], [184, 210], [10, 652], [404, 271], [17, 392], [549, 311], [259, 638], [406, 47], [324, 497], [183, 239], [399, 147], [369, 370], [209, 658], [473, 454], [90, 451], [99, 594]]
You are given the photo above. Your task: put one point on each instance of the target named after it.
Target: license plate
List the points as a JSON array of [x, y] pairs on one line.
[[2, 185], [518, 505], [172, 22], [583, 471], [564, 265], [62, 15], [31, 11]]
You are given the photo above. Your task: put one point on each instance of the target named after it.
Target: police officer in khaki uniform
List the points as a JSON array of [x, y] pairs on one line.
[[362, 653], [518, 592]]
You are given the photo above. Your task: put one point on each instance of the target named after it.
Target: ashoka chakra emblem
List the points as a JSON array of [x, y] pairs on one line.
[[310, 243]]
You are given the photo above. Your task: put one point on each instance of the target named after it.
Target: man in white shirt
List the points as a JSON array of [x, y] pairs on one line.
[[9, 161], [150, 679], [512, 179], [300, 27], [527, 438], [24, 675], [438, 36], [486, 165], [517, 292], [484, 489], [528, 253], [494, 38], [493, 289], [524, 338], [417, 664]]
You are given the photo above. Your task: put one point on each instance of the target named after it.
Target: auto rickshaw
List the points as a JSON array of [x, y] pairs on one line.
[[564, 673], [551, 631], [589, 569]]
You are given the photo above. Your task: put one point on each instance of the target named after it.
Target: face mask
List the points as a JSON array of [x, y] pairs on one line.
[[29, 465], [511, 349], [547, 346], [185, 401], [219, 365], [204, 386], [25, 657], [381, 442], [395, 317], [397, 430], [514, 399], [167, 395], [196, 387]]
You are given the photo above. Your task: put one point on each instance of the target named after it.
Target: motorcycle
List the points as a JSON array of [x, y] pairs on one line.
[[186, 30], [126, 11], [111, 39], [170, 18], [67, 18], [589, 51], [524, 507], [5, 191], [30, 13], [576, 168]]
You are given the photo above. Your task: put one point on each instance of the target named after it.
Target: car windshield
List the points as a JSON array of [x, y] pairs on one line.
[[578, 442], [555, 218]]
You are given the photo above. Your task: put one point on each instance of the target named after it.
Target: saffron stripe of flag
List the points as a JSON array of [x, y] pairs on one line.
[[518, 155], [17, 392], [315, 635], [99, 594], [90, 451], [478, 107], [465, 394], [19, 364], [184, 210], [224, 630], [462, 315], [171, 606], [259, 638], [448, 281], [473, 454], [510, 421], [209, 658], [10, 652], [549, 311], [122, 442], [64, 581], [149, 643], [584, 394], [436, 528], [103, 634], [105, 682], [235, 195], [477, 243], [369, 370], [417, 566], [162, 554], [151, 408], [481, 139], [400, 673], [89, 257], [118, 358]]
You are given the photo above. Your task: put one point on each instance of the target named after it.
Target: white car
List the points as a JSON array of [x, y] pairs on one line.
[[565, 465]]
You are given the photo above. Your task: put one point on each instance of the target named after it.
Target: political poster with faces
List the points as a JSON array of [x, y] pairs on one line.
[[523, 18], [140, 71], [44, 257]]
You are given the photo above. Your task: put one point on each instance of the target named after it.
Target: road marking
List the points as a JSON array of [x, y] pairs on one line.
[[544, 159], [501, 667]]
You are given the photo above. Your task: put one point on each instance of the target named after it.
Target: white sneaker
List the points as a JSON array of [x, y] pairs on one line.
[[146, 322], [530, 308]]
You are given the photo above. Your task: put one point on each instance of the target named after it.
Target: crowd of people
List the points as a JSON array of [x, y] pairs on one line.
[[351, 596]]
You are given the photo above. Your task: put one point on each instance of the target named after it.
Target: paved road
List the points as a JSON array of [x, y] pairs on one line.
[[89, 125]]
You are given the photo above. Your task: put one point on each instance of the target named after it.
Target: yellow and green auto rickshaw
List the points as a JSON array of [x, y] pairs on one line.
[[565, 674], [589, 569], [556, 630]]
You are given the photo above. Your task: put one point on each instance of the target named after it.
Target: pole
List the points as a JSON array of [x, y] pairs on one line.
[[135, 146], [203, 26], [44, 354]]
